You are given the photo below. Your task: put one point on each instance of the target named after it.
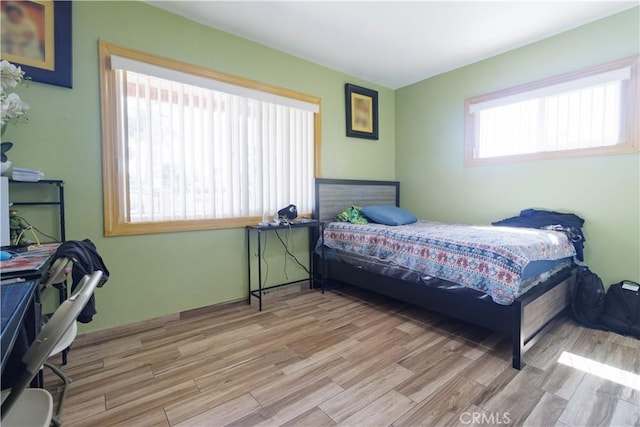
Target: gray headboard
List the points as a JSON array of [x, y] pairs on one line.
[[335, 195]]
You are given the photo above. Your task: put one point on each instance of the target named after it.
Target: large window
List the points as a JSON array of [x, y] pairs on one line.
[[187, 148], [591, 112]]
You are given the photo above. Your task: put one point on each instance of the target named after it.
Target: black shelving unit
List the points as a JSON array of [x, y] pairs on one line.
[[59, 184], [60, 202]]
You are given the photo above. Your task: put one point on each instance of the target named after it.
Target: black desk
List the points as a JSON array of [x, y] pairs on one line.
[[315, 230], [20, 315], [32, 264], [27, 270]]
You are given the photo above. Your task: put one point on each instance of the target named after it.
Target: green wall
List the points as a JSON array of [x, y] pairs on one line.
[[605, 191], [421, 144], [159, 274]]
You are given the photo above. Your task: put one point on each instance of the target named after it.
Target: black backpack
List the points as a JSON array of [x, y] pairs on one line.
[[622, 308], [588, 298]]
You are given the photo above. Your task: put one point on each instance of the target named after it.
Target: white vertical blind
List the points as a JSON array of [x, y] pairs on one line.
[[583, 113], [144, 68], [197, 153], [615, 75]]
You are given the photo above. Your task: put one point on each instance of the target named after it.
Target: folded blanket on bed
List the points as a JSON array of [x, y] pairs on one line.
[[569, 223]]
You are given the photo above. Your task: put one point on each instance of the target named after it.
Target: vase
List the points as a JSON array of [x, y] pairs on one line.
[[5, 168], [4, 147]]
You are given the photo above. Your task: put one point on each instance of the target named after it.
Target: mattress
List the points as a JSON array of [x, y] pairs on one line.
[[501, 262]]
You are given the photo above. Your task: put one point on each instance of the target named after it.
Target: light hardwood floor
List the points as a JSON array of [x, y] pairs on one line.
[[347, 358]]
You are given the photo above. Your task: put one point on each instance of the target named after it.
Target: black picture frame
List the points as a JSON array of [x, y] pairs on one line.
[[62, 72], [361, 105]]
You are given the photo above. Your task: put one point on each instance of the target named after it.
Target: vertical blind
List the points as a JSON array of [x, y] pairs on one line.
[[584, 113], [191, 152]]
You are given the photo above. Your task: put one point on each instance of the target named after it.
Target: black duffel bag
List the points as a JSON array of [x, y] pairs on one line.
[[621, 312]]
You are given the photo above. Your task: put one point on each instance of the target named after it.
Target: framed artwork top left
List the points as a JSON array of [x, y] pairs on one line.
[[36, 35]]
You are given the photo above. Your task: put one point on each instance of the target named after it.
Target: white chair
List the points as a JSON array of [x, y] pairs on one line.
[[57, 277], [58, 272], [63, 345], [22, 406]]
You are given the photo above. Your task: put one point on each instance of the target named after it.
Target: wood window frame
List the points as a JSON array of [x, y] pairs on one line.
[[115, 223], [631, 143]]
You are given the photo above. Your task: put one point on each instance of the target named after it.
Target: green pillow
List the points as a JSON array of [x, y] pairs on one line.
[[352, 215]]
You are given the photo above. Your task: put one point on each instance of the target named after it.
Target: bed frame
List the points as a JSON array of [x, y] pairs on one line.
[[523, 321]]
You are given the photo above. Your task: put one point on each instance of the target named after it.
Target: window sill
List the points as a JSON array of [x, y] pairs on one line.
[[137, 228]]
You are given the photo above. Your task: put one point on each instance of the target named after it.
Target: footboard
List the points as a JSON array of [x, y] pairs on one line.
[[535, 310]]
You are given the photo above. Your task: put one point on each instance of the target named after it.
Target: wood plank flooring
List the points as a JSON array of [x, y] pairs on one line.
[[347, 358]]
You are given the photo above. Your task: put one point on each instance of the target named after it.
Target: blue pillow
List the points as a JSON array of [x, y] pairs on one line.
[[389, 215]]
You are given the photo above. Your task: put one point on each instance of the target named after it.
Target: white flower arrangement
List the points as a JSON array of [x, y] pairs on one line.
[[13, 108]]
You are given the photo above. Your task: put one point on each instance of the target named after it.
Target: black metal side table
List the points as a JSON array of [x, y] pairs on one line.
[[315, 231]]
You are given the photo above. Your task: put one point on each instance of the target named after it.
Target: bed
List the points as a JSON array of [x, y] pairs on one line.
[[522, 314]]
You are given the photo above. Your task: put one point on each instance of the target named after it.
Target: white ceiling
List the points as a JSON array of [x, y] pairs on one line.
[[394, 43]]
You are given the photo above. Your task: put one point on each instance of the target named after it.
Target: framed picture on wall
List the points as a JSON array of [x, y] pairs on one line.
[[37, 36], [362, 112]]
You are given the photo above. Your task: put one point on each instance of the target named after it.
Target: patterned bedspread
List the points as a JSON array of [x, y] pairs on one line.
[[487, 258]]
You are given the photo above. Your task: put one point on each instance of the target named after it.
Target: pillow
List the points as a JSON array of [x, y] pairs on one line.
[[389, 215], [352, 215]]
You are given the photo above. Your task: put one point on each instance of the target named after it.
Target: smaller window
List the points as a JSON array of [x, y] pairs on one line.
[[590, 112]]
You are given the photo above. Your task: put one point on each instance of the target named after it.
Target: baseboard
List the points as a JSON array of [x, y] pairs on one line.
[[210, 309], [282, 291], [97, 337]]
